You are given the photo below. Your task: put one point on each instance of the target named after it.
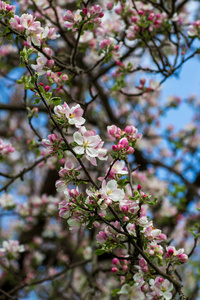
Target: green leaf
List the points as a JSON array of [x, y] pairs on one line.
[[99, 252], [153, 202], [115, 292], [37, 101], [56, 100]]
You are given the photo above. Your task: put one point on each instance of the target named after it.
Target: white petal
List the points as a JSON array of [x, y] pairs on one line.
[[78, 138], [79, 150]]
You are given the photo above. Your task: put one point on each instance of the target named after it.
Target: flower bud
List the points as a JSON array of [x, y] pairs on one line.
[[50, 63], [115, 148], [115, 261], [65, 77], [170, 251], [85, 11], [130, 150], [124, 208], [141, 12], [142, 81], [134, 19], [109, 5], [125, 268], [123, 142], [114, 270], [101, 14], [182, 258], [47, 88]]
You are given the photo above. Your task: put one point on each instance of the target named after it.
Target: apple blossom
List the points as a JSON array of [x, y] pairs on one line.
[[89, 144]]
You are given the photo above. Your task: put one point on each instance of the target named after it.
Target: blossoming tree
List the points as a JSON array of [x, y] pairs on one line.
[[97, 200]]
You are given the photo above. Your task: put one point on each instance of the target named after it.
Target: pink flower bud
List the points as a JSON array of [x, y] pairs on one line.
[[41, 84], [115, 261], [142, 81], [124, 208], [120, 147], [114, 270], [149, 89], [160, 280], [125, 268], [130, 150], [109, 5], [124, 142], [117, 136], [141, 12], [104, 44], [130, 129], [65, 77], [118, 10], [156, 22], [151, 16], [182, 257], [73, 193], [125, 219], [134, 19], [47, 88], [101, 14], [48, 73], [119, 63], [115, 148], [112, 130], [139, 187], [50, 63], [170, 251], [85, 11]]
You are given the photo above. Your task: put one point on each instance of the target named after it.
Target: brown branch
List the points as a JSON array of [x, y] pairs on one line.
[[24, 171]]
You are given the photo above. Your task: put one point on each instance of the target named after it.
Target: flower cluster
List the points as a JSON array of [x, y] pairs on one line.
[[176, 255], [88, 17], [194, 29], [110, 49], [5, 7], [67, 174], [7, 201], [33, 30], [53, 144], [5, 148], [11, 248], [125, 140], [43, 64]]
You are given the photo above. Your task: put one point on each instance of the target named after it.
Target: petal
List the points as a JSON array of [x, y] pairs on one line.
[[78, 138], [79, 150], [91, 152]]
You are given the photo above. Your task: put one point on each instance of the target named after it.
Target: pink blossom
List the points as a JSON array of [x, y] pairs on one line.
[[41, 62], [53, 143], [111, 191], [73, 115], [101, 237], [13, 247], [5, 148], [89, 144], [162, 287]]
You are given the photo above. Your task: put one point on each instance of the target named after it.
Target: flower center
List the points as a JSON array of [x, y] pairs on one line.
[[85, 144], [109, 191], [71, 116]]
